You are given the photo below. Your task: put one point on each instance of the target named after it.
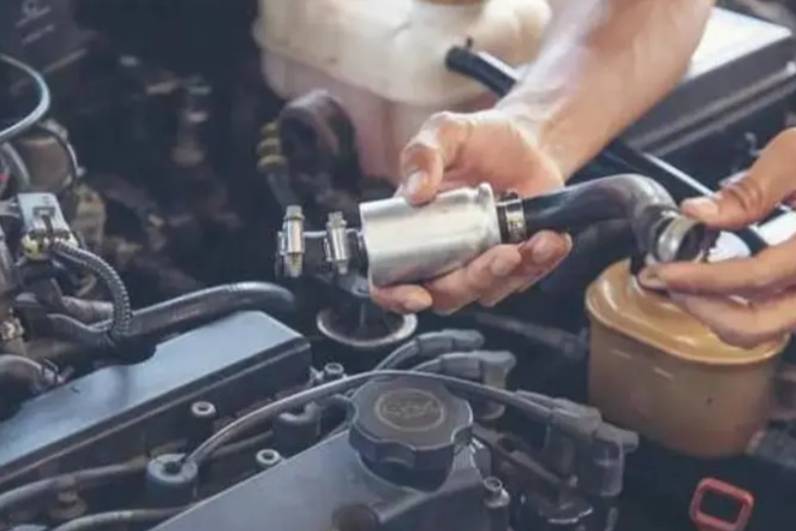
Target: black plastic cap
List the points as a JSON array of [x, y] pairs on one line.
[[170, 482], [411, 424]]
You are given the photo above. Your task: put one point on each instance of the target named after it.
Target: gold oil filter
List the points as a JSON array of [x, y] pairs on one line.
[[658, 371]]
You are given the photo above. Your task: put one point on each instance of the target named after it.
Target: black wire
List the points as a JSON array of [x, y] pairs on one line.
[[245, 423], [38, 112], [71, 480], [115, 518], [121, 321], [432, 344], [255, 442], [92, 476]]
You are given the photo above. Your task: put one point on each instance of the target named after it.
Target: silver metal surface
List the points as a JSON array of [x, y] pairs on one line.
[[291, 242], [402, 327], [405, 243], [670, 243], [337, 250], [515, 220]]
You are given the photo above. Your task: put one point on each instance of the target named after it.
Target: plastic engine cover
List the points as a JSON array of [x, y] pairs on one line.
[[329, 488], [119, 412]]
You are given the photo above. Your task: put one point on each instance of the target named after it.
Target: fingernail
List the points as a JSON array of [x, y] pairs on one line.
[[501, 267], [415, 183], [649, 278], [701, 206], [415, 305], [544, 249]]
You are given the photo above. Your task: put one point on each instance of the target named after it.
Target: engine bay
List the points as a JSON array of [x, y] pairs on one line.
[[188, 338]]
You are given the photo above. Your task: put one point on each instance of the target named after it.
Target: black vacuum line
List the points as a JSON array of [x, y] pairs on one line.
[[178, 314]]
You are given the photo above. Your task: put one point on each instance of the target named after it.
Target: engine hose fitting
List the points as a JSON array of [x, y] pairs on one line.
[[179, 314], [660, 230], [400, 243]]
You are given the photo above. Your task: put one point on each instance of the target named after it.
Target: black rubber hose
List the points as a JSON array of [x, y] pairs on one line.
[[619, 153], [432, 345], [119, 326], [24, 376], [644, 203], [51, 301], [70, 481], [595, 248], [87, 311], [117, 518], [491, 72], [545, 338], [181, 313], [70, 329], [210, 304], [628, 197]]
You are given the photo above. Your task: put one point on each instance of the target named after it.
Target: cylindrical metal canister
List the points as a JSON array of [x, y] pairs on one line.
[[407, 243]]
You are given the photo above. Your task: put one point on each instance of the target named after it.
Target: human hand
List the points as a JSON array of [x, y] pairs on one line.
[[748, 301], [456, 150]]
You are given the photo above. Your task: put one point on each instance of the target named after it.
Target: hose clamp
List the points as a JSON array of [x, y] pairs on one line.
[[516, 229]]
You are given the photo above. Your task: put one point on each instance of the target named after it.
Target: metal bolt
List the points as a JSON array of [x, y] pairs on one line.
[[11, 329], [493, 487], [268, 458], [291, 241], [203, 410], [333, 371], [496, 501], [68, 506], [338, 252]]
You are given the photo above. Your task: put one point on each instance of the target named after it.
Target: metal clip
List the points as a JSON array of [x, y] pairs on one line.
[[291, 242], [517, 231], [43, 225], [338, 252]]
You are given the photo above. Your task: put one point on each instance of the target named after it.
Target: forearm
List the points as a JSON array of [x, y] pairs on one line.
[[585, 89]]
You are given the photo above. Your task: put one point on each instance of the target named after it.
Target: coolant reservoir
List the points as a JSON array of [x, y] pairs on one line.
[[385, 59], [657, 370]]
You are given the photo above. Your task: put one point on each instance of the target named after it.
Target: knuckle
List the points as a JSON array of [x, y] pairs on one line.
[[479, 281], [449, 129], [418, 148], [750, 195], [442, 120]]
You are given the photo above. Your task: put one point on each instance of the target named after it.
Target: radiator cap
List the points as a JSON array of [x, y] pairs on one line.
[[410, 424]]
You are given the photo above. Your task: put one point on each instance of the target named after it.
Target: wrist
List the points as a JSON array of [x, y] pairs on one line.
[[536, 124]]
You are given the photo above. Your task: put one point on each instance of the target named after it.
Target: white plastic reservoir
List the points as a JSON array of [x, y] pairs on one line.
[[385, 59]]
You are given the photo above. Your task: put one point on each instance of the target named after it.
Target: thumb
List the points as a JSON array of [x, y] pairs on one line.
[[425, 159], [769, 182]]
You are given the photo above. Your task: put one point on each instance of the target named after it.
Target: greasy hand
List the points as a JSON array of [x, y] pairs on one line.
[[753, 300], [455, 150]]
